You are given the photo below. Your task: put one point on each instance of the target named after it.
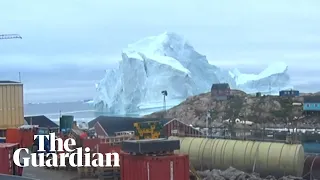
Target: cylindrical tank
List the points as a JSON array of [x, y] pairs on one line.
[[311, 168], [266, 158], [66, 123], [311, 147]]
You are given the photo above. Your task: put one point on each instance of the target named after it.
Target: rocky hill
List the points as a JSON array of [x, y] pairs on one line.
[[272, 111]]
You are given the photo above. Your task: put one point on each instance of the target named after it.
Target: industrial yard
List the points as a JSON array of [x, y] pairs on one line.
[[159, 148]]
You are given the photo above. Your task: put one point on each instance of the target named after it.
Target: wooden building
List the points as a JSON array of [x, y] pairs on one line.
[[220, 91], [178, 128], [289, 93], [43, 122]]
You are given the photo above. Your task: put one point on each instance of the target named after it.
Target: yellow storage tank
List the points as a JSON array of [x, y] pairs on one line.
[[266, 158], [11, 104]]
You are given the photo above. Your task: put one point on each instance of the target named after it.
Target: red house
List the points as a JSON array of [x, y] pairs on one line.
[[178, 128], [220, 91]]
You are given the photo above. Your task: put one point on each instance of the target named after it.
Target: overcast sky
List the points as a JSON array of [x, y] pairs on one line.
[[228, 32]]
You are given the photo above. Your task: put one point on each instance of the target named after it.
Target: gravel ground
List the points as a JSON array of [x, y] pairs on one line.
[[48, 174], [234, 174]]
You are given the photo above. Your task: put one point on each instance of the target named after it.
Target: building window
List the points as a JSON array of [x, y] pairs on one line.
[[308, 105], [315, 105]]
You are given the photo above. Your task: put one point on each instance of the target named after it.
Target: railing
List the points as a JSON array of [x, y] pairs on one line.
[[248, 138]]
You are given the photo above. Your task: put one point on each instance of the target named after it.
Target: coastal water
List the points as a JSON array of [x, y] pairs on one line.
[[80, 110], [63, 91], [84, 112]]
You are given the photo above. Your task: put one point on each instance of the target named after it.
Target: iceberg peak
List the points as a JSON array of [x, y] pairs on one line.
[[272, 69], [155, 48]]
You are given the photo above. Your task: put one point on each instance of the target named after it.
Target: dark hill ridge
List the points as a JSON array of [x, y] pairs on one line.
[[274, 111]]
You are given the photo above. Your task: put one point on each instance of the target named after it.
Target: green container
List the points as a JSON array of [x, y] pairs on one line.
[[66, 123]]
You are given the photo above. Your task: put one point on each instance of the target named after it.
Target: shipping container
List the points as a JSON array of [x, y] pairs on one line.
[[154, 167], [11, 104], [7, 165], [108, 148], [90, 143], [27, 137], [22, 136], [96, 145], [13, 135], [311, 147], [178, 128], [66, 123]]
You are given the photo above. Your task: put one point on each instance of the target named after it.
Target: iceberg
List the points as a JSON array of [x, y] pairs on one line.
[[168, 62], [274, 78]]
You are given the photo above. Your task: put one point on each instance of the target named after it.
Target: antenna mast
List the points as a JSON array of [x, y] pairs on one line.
[[269, 88], [19, 77]]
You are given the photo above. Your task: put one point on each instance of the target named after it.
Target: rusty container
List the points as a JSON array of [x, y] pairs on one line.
[[7, 165], [154, 167], [22, 136], [13, 135], [26, 137]]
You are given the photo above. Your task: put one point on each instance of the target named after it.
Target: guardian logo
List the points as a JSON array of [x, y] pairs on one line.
[[54, 159]]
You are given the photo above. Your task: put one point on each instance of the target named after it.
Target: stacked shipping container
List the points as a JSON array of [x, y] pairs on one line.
[[11, 105], [7, 165], [22, 136]]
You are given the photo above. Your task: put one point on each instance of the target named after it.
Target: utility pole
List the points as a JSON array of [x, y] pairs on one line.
[[269, 88], [164, 93]]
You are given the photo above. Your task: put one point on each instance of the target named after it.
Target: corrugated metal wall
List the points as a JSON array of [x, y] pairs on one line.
[[176, 128], [11, 105]]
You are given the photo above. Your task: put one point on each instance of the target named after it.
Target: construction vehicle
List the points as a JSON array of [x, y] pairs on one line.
[[148, 129]]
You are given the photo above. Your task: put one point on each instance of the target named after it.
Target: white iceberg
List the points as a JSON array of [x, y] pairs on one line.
[[169, 62]]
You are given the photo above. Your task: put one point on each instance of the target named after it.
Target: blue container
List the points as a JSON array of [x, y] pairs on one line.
[[313, 147], [289, 93], [311, 106], [2, 140]]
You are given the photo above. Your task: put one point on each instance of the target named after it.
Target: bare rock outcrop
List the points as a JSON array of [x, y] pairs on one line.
[[234, 174], [274, 111]]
